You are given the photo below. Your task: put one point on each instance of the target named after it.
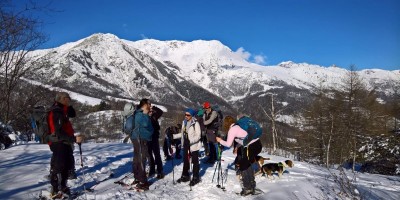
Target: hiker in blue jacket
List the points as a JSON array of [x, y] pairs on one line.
[[140, 136]]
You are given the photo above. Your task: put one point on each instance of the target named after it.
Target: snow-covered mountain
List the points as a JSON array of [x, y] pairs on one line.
[[103, 65], [184, 73]]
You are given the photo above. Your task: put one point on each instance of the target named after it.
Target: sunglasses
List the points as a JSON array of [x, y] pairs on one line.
[[187, 115]]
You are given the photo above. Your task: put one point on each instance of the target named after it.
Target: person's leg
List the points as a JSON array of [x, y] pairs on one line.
[[186, 166], [71, 163], [166, 148], [143, 158], [151, 158], [178, 149], [195, 162], [136, 159], [59, 170], [196, 168], [213, 153], [248, 182], [205, 144], [157, 157]]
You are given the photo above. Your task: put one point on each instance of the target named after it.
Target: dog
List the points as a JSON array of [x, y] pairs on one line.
[[269, 168], [260, 162]]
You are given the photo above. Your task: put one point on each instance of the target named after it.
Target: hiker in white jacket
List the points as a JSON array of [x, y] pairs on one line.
[[190, 134]]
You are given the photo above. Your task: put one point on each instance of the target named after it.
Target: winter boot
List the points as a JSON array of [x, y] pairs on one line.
[[160, 176], [246, 192], [71, 174], [151, 173], [143, 186], [194, 181], [183, 179]]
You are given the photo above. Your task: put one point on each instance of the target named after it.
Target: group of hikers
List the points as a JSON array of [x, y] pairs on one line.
[[198, 129]]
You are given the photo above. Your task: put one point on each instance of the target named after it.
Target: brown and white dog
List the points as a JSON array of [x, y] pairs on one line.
[[260, 161], [269, 168]]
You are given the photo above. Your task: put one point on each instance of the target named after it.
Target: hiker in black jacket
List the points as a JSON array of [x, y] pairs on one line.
[[169, 141], [210, 120], [153, 145]]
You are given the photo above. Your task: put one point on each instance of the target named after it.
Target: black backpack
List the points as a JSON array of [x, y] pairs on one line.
[[39, 123], [220, 118]]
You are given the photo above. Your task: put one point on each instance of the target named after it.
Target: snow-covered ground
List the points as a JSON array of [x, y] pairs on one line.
[[23, 167]]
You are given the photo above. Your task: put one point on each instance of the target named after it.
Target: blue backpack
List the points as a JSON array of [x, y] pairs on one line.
[[252, 128], [129, 118]]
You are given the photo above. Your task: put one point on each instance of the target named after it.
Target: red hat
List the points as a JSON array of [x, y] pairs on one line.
[[206, 104]]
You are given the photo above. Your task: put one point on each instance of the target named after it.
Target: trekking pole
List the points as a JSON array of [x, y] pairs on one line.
[[222, 177], [218, 166], [83, 173], [172, 161], [80, 152], [214, 172], [190, 163], [173, 172], [226, 175]]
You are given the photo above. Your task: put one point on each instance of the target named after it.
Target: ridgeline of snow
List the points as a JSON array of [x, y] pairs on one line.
[[23, 167], [209, 64], [199, 56]]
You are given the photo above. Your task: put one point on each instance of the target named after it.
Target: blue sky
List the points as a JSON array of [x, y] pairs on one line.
[[342, 32]]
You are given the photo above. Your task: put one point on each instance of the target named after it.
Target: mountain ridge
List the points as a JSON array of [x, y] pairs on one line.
[[179, 72]]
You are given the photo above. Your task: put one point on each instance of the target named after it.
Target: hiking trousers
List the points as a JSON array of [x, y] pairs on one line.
[[153, 148], [60, 164], [140, 154]]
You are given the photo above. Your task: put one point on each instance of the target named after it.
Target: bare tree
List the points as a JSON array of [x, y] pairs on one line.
[[273, 115], [19, 35]]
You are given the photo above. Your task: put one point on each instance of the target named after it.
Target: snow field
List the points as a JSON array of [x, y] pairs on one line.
[[23, 167]]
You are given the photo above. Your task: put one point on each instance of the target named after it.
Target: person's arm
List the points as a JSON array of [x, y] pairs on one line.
[[234, 131], [71, 112], [179, 135], [157, 112], [214, 115]]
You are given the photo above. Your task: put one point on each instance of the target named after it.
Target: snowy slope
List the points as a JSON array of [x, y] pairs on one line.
[[23, 167]]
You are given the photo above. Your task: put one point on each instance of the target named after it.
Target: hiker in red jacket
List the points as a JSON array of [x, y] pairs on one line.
[[60, 140]]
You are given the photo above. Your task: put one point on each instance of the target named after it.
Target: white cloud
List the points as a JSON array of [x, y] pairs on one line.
[[143, 36], [242, 53], [260, 59]]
